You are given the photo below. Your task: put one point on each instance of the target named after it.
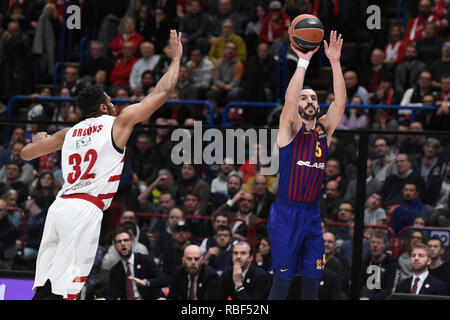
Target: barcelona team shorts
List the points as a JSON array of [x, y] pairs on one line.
[[296, 239]]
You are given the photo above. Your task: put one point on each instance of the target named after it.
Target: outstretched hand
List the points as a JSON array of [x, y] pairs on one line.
[[305, 55], [333, 50], [175, 49]]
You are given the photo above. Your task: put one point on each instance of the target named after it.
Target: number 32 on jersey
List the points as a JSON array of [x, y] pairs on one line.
[[75, 161]]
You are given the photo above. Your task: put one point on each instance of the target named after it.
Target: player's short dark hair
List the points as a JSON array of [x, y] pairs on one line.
[[89, 99]]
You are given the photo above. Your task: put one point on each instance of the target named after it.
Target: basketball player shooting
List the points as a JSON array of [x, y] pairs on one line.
[[294, 221], [92, 156]]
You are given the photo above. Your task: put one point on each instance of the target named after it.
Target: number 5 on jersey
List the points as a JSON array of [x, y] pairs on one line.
[[75, 161], [318, 150]]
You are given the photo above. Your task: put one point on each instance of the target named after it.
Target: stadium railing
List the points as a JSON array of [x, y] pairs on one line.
[[190, 217], [248, 104], [62, 99], [389, 230]]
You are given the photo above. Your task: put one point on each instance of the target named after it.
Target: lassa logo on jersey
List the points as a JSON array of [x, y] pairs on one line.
[[88, 131], [320, 165]]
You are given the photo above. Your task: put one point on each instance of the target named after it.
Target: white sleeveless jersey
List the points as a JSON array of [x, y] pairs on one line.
[[90, 163]]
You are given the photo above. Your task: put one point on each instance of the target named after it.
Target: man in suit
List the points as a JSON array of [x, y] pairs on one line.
[[135, 276], [422, 282], [244, 281], [194, 280]]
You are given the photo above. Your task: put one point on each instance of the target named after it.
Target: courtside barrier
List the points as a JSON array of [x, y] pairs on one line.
[[372, 226]]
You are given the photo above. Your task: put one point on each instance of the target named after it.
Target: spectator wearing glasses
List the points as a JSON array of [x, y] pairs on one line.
[[135, 276], [344, 214], [220, 256], [220, 219], [414, 95], [113, 255]]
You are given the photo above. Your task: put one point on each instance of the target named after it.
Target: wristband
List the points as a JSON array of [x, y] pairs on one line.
[[230, 203], [303, 63]]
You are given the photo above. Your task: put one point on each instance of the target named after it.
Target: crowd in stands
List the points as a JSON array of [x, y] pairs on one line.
[[206, 220]]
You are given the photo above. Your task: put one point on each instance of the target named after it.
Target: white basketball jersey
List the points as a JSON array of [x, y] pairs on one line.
[[90, 163]]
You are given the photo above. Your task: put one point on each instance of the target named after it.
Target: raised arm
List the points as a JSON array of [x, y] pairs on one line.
[[336, 110], [43, 144], [290, 118], [135, 113]]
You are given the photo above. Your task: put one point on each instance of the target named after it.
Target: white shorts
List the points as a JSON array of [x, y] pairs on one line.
[[68, 247]]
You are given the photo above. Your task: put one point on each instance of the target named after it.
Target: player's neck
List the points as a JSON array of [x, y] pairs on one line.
[[310, 124]]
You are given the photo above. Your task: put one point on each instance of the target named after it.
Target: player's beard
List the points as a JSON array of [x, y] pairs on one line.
[[308, 116]]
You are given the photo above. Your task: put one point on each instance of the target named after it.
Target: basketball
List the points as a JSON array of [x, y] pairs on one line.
[[306, 32]]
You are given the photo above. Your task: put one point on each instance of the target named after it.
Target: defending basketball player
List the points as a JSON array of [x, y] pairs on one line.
[[294, 220], [92, 161]]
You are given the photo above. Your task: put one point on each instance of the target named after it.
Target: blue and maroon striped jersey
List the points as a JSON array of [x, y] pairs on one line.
[[302, 165]]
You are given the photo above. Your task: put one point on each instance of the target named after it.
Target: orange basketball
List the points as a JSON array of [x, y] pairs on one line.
[[306, 32]]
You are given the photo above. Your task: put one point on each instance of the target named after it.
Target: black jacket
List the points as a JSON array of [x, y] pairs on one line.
[[207, 283], [388, 267], [256, 285], [144, 268], [431, 285]]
